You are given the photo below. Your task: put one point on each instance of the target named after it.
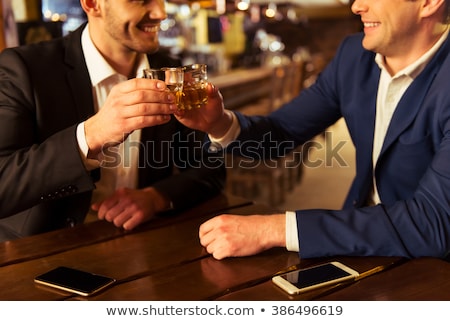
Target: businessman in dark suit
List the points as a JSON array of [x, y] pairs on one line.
[[55, 148], [392, 87]]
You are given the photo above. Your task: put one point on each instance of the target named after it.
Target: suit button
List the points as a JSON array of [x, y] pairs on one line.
[[72, 189], [70, 222], [214, 147]]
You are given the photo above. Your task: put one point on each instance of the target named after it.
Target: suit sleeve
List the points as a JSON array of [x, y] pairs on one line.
[[38, 160]]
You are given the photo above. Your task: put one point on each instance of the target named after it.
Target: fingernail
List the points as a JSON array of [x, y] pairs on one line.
[[171, 98]]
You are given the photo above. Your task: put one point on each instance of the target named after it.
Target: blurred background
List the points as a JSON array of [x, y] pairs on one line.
[[222, 33], [260, 53]]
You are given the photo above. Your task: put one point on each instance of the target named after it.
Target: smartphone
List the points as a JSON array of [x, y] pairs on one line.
[[74, 281], [303, 280]]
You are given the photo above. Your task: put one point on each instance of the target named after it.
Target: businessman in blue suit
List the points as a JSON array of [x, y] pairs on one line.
[[391, 84]]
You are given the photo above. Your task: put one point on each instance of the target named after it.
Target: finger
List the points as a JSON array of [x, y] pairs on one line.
[[121, 218], [137, 84], [216, 252], [132, 222], [141, 92], [147, 103], [95, 207], [206, 227], [211, 89], [180, 113], [109, 209], [218, 255], [139, 121], [207, 239], [213, 92], [101, 212], [144, 119]]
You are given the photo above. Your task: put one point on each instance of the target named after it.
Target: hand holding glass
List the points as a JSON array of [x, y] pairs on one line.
[[194, 87], [172, 76]]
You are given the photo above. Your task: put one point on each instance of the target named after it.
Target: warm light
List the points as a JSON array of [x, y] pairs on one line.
[[276, 46], [166, 24], [184, 11], [270, 13], [221, 6], [271, 10], [243, 4], [55, 17], [47, 14]]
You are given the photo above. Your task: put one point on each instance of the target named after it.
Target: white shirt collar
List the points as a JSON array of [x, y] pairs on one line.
[[99, 69], [414, 69]]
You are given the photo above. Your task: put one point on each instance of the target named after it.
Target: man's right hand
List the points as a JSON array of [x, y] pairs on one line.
[[211, 118], [131, 105], [230, 235]]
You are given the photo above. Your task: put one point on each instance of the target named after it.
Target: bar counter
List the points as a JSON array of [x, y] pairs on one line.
[[164, 260], [241, 86]]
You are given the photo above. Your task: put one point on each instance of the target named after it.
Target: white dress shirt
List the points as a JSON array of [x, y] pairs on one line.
[[103, 79], [390, 91]]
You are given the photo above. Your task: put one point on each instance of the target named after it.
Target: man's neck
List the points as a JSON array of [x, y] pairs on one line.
[[122, 60], [399, 60]]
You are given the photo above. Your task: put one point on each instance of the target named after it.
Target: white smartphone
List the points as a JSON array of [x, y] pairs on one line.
[[74, 281], [303, 280]]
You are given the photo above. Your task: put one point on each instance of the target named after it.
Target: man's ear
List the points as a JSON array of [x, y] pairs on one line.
[[430, 7], [91, 7]]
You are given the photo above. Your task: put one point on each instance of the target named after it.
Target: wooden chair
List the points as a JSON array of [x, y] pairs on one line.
[[259, 180], [256, 179]]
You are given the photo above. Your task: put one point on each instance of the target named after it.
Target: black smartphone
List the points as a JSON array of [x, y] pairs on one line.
[[75, 281], [303, 280]]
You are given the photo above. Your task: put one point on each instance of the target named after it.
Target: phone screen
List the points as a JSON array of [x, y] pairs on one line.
[[316, 275], [76, 281], [303, 280]]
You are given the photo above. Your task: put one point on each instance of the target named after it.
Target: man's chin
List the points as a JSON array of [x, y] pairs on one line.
[[149, 50], [367, 45]]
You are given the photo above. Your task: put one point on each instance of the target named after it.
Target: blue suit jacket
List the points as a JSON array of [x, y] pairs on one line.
[[413, 170]]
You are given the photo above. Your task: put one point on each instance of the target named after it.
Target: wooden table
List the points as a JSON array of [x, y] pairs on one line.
[[163, 260]]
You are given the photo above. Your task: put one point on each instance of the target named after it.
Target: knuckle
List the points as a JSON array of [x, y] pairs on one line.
[[139, 215], [140, 95]]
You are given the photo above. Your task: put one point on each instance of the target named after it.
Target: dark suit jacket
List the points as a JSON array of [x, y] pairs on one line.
[[413, 170], [45, 91]]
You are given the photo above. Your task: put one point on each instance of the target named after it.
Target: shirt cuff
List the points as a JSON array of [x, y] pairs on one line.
[[292, 241], [231, 134], [83, 147]]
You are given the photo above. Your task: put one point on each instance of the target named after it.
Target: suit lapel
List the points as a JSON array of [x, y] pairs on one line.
[[365, 111], [79, 81], [78, 75], [412, 99], [366, 106]]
